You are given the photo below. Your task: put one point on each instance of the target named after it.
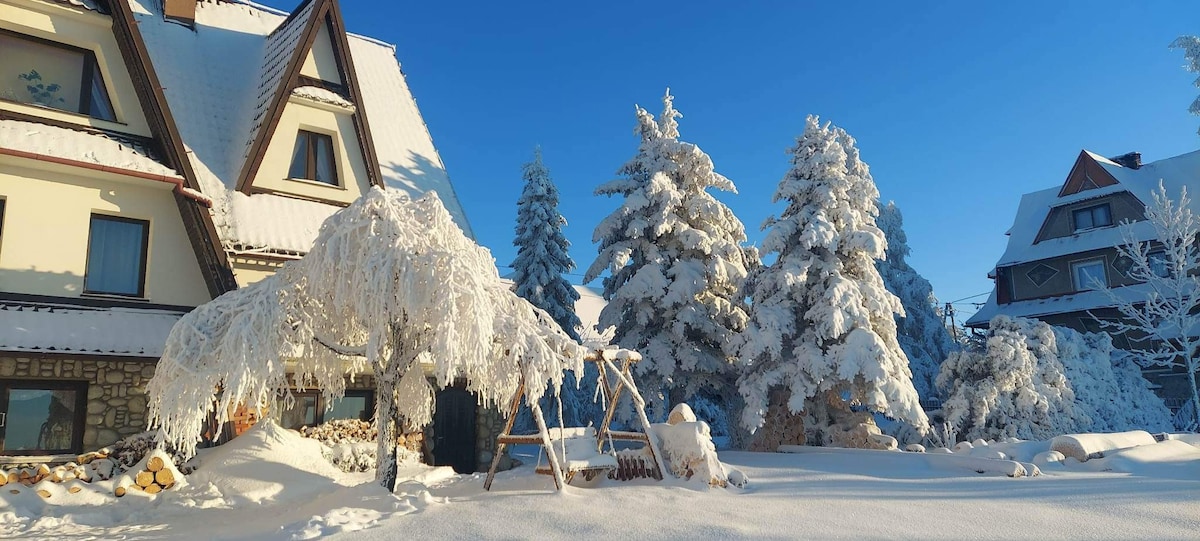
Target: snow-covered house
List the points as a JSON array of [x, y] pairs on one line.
[[1064, 238], [155, 154]]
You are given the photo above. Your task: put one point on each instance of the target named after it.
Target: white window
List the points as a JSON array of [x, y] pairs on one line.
[[54, 75], [1092, 217], [1088, 274], [116, 260]]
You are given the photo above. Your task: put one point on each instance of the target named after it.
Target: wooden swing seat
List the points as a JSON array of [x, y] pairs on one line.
[[581, 454]]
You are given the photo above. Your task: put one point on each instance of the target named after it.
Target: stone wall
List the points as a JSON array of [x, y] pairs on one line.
[[489, 422], [116, 390]]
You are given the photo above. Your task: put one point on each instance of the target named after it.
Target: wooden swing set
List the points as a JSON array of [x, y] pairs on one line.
[[581, 451]]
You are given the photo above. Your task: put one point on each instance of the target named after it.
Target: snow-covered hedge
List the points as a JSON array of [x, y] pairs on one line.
[[1034, 381]]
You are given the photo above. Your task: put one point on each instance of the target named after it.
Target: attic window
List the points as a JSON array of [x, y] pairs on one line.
[[1092, 217], [53, 75], [312, 158]]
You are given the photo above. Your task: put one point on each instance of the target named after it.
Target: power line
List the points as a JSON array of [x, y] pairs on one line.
[[971, 297]]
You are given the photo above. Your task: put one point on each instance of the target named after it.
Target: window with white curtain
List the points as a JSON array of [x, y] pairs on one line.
[[116, 262]]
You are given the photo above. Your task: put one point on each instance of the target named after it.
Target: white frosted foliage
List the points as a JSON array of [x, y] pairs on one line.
[[820, 317], [391, 287], [676, 261], [1191, 53]]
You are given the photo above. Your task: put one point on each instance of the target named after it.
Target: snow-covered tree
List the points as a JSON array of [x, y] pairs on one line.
[[920, 331], [542, 257], [677, 262], [1109, 388], [391, 287], [1167, 319], [1016, 387], [1191, 53], [821, 336]]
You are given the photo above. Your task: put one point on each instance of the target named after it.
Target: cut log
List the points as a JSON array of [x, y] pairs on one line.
[[42, 470], [74, 489], [43, 493], [144, 479], [3, 478], [153, 489], [14, 491], [154, 464], [119, 491], [164, 477]]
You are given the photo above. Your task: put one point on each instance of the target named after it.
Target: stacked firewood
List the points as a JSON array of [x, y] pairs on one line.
[[154, 474], [30, 476], [341, 431]]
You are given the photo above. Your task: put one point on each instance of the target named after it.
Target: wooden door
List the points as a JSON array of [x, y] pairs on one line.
[[454, 430]]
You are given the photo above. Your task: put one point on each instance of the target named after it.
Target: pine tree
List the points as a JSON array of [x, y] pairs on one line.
[[542, 257], [821, 335], [538, 270], [677, 262], [920, 331]]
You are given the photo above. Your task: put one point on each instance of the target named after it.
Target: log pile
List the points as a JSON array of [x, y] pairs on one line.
[[154, 474]]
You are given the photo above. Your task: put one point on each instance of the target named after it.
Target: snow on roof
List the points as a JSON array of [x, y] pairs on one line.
[[85, 4], [77, 145], [215, 84], [256, 222], [50, 328], [1076, 302], [588, 307], [281, 44], [319, 94], [1176, 172]]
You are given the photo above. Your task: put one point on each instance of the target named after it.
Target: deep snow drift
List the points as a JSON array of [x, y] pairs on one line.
[[272, 484]]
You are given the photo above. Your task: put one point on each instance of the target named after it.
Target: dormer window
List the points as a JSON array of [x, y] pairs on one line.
[[1092, 217], [313, 159], [49, 74]]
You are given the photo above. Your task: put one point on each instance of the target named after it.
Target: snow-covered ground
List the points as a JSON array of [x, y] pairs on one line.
[[272, 484]]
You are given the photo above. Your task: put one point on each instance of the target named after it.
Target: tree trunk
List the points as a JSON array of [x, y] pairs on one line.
[[386, 416], [1192, 371], [780, 425]]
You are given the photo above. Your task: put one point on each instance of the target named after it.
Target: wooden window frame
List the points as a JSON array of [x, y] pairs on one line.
[[310, 158], [89, 71], [1090, 261], [81, 390], [1091, 209], [321, 409], [142, 264]]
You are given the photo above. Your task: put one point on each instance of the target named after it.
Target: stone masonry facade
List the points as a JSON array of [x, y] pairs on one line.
[[116, 390]]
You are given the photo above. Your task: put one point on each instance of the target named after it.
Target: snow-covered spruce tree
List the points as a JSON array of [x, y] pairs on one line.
[[542, 257], [821, 336], [1016, 387], [677, 262], [1109, 388], [1191, 53], [538, 270], [1167, 320], [920, 331], [392, 287]]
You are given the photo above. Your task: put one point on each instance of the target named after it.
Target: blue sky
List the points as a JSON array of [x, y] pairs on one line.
[[958, 107]]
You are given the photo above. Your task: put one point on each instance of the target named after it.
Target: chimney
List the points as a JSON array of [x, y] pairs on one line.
[[180, 11], [1132, 160]]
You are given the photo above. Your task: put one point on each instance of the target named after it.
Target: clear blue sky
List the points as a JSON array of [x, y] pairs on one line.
[[958, 107]]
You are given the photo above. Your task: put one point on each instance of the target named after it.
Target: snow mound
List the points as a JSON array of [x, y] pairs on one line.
[[266, 463], [1170, 459], [689, 451], [1081, 447]]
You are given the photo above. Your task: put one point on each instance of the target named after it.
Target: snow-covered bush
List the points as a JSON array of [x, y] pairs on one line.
[[392, 286], [821, 336], [1108, 385], [1015, 388], [676, 263]]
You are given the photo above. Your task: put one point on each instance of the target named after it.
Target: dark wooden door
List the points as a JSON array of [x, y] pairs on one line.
[[454, 430]]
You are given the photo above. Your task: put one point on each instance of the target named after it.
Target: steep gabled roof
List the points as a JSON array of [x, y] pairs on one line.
[[211, 77], [1174, 173], [286, 48], [1087, 174]]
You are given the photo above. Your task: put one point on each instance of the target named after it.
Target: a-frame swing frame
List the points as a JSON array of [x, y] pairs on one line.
[[613, 381]]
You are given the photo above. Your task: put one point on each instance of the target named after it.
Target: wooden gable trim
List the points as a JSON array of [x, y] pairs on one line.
[[197, 220], [1085, 171], [329, 13], [341, 51]]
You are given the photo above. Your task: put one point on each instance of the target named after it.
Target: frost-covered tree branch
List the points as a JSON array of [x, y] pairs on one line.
[[397, 277], [1167, 320], [1191, 53]]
